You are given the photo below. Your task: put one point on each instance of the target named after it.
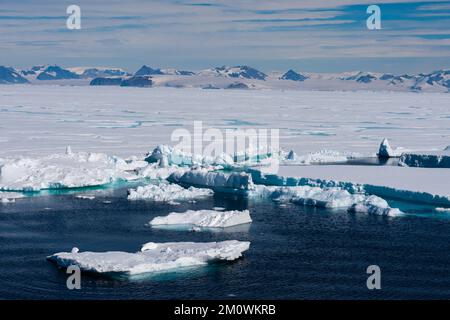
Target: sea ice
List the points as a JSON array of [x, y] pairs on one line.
[[205, 218], [326, 198], [233, 182], [167, 192], [9, 197], [439, 159], [68, 170], [153, 257]]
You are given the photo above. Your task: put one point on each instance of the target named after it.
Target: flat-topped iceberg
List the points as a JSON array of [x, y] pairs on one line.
[[65, 170], [153, 257], [166, 192], [232, 182], [204, 218], [438, 159], [326, 198]]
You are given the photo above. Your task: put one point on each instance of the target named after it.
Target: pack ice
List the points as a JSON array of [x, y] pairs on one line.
[[153, 257], [166, 192], [66, 170], [204, 218]]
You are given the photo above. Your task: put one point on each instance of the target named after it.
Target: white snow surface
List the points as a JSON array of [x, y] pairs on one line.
[[204, 218], [153, 257], [166, 192], [129, 121], [65, 170], [327, 198]]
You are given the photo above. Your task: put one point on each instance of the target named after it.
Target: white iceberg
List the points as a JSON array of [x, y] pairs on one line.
[[204, 218], [386, 151], [441, 209], [153, 257], [67, 170], [327, 198], [233, 182], [10, 197], [166, 192], [438, 159]]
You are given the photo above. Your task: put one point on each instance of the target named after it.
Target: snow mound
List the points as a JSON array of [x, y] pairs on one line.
[[233, 182], [153, 257], [386, 151], [327, 198], [166, 192], [439, 159], [68, 170], [10, 197], [205, 218]]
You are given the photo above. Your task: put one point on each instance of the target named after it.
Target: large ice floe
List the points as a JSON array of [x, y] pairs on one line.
[[327, 198], [166, 192], [153, 257], [226, 182], [204, 218], [65, 170]]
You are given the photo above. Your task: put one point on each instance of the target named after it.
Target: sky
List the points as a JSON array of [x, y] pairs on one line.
[[309, 35]]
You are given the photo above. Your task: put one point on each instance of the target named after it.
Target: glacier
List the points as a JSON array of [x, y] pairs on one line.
[[166, 192], [204, 218], [153, 257]]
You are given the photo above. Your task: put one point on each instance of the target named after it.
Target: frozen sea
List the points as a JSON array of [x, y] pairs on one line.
[[296, 252]]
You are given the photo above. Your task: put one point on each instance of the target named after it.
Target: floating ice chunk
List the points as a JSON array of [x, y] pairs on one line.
[[234, 182], [291, 155], [326, 198], [156, 172], [167, 192], [440, 209], [71, 170], [386, 151], [85, 196], [9, 197], [153, 257], [205, 218], [439, 159], [322, 156]]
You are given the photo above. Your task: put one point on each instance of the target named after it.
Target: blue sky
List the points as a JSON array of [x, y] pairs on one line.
[[309, 35]]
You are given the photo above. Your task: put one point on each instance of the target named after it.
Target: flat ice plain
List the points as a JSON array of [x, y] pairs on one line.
[[42, 120]]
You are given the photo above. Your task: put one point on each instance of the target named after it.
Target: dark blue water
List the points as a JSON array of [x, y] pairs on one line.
[[296, 252]]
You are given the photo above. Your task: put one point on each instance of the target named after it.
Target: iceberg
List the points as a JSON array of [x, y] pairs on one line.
[[386, 151], [232, 182], [439, 159], [204, 218], [68, 170], [327, 198], [153, 257], [166, 192], [10, 197]]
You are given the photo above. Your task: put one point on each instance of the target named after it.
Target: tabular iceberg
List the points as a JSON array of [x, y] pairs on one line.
[[205, 218], [440, 159], [166, 192], [153, 257], [327, 198]]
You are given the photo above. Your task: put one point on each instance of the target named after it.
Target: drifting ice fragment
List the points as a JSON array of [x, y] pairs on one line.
[[385, 150], [9, 197], [153, 257], [167, 192], [204, 218]]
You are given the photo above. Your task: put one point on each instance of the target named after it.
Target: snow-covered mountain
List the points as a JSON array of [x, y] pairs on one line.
[[11, 75], [234, 77]]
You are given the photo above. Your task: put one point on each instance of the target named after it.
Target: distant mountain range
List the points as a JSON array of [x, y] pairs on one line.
[[226, 77]]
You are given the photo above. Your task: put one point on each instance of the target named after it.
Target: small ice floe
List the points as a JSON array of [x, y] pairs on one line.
[[441, 209], [219, 208], [204, 218], [322, 156], [234, 182], [167, 192], [327, 198], [386, 151], [153, 257], [107, 201], [85, 196], [10, 197]]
